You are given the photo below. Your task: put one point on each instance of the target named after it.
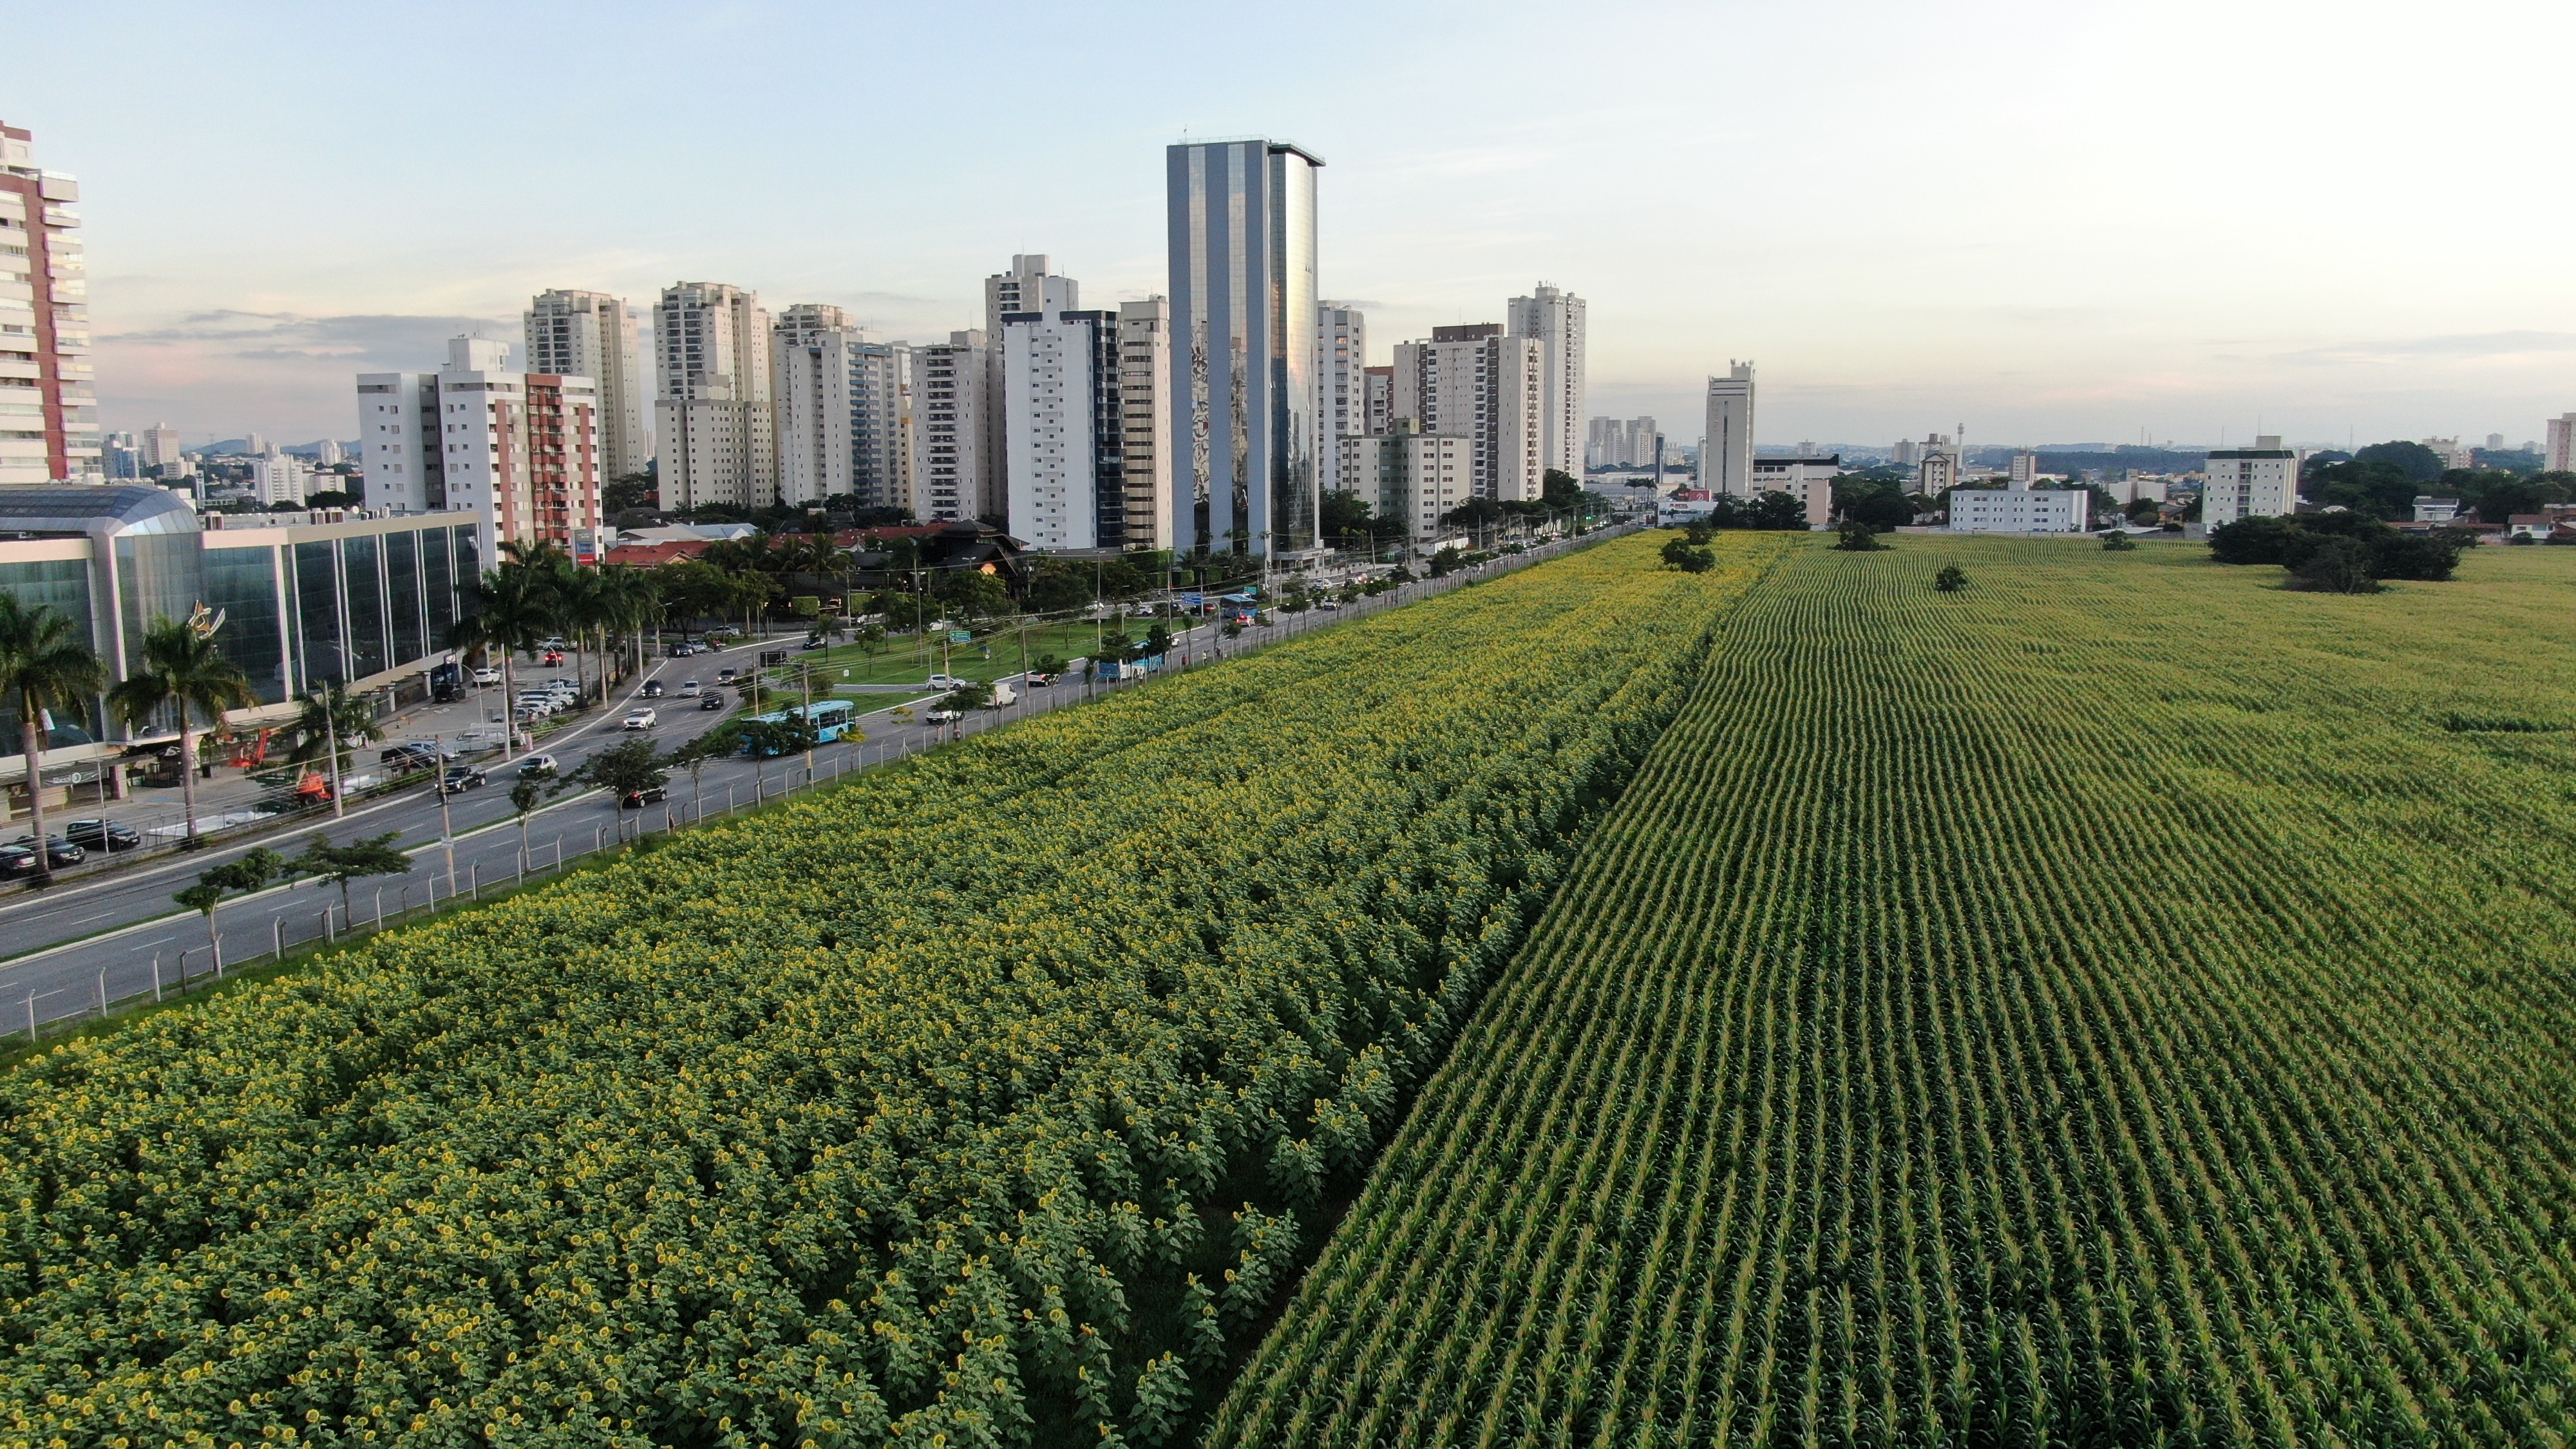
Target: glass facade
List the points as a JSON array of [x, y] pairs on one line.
[[362, 565], [402, 594], [61, 585], [158, 576], [242, 582], [1243, 280], [438, 582], [317, 614]]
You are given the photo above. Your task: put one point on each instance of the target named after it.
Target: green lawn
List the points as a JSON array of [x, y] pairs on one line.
[[905, 660]]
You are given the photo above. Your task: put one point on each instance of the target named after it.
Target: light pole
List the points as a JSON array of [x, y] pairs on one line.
[[446, 827], [330, 734]]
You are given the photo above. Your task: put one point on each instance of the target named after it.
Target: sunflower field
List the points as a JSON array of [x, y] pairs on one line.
[[2118, 1003], [990, 1099]]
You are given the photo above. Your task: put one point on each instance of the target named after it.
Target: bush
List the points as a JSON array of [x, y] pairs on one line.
[[2385, 552], [2335, 566], [1951, 579], [2117, 542], [1678, 553], [1858, 537]]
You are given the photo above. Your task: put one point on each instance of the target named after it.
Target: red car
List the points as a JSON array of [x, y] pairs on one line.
[[554, 656]]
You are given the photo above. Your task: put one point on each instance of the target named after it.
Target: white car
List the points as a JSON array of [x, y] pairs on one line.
[[691, 687], [552, 644], [487, 675], [538, 765], [641, 719], [947, 681], [942, 716]]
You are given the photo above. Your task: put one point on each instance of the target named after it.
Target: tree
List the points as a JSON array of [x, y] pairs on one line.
[[524, 798], [327, 722], [1857, 536], [2418, 463], [631, 599], [1446, 562], [2118, 542], [1780, 512], [715, 744], [627, 491], [45, 666], [629, 768], [2377, 487], [508, 610], [2499, 496], [2143, 510], [1951, 579], [1679, 554], [341, 864], [1559, 489], [2337, 566], [255, 869], [181, 669]]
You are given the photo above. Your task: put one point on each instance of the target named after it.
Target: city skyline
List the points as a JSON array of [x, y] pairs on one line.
[[2032, 244]]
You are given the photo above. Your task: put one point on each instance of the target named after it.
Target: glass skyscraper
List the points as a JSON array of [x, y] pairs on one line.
[[1245, 471]]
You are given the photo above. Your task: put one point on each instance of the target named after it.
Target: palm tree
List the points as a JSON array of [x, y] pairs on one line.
[[328, 721], [182, 667], [43, 663], [581, 605], [509, 608], [633, 604]]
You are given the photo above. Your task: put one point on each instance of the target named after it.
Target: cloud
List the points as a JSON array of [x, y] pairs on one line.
[[387, 341], [2458, 345]]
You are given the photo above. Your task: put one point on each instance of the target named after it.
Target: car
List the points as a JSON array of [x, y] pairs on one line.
[[16, 862], [638, 799], [811, 644], [487, 675], [711, 700], [1040, 681], [539, 765], [690, 686], [554, 656], [412, 755], [943, 716], [653, 689], [104, 835], [727, 676], [1328, 603], [538, 705], [460, 778], [642, 719], [948, 681], [62, 851], [552, 643]]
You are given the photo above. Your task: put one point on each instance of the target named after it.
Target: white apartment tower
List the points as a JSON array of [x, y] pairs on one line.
[[159, 445], [1410, 475], [1621, 443], [1556, 319], [1145, 412], [1067, 475], [1936, 461], [956, 431], [1726, 454], [593, 335], [48, 407], [811, 371], [881, 424], [713, 422], [1473, 382], [2562, 443], [521, 449], [2257, 482], [1341, 386], [1378, 417], [2024, 469]]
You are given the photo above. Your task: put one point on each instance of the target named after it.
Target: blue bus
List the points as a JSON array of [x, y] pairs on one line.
[[832, 719]]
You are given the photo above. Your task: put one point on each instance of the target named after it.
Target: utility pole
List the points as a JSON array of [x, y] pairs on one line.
[[331, 733], [805, 687], [446, 827]]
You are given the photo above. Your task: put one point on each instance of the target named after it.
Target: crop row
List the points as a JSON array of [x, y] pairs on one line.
[[2112, 1004], [983, 1101]]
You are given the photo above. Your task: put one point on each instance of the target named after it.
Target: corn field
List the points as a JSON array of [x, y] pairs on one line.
[[2120, 1003]]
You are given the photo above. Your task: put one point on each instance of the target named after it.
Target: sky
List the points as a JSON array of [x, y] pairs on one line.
[[2158, 220]]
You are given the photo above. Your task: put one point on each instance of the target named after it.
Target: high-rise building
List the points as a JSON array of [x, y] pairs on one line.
[[812, 370], [1473, 382], [2024, 469], [2452, 454], [1556, 319], [956, 431], [1243, 286], [48, 407], [1809, 478], [257, 445], [519, 449], [1907, 453], [593, 335], [123, 457], [160, 448], [327, 453], [1068, 467], [2560, 455], [881, 423], [713, 423], [1341, 386], [276, 478], [2257, 482], [1936, 461], [1726, 454], [1379, 416], [1409, 475], [1145, 407], [1621, 443], [1027, 287], [2495, 442]]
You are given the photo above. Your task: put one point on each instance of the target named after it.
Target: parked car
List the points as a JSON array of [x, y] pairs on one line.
[[949, 681], [487, 675], [62, 851], [642, 719], [711, 700], [539, 765], [16, 862], [638, 799], [460, 778], [689, 687], [412, 755], [104, 835], [653, 689]]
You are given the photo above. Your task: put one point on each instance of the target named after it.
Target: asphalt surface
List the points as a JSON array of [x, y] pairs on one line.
[[66, 952]]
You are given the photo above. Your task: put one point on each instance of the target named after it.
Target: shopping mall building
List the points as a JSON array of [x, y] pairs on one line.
[[306, 598]]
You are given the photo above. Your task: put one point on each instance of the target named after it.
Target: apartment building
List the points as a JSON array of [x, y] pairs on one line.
[[1621, 443], [2257, 482], [2020, 509], [956, 424], [1808, 478], [1341, 386], [1145, 417], [518, 450], [1476, 383], [714, 423], [1411, 475], [1726, 453], [594, 335], [1067, 474], [48, 406], [1379, 416], [1556, 319]]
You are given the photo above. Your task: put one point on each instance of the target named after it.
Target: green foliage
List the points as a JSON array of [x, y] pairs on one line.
[[1446, 562], [2048, 1023], [998, 1096], [1881, 504], [2385, 553], [2335, 566], [1857, 536], [2413, 461], [1951, 579], [340, 864], [627, 491], [2117, 542], [624, 768], [1679, 554]]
